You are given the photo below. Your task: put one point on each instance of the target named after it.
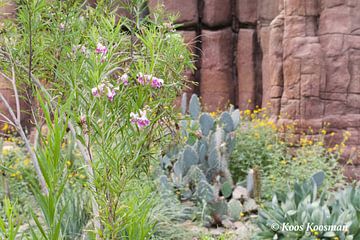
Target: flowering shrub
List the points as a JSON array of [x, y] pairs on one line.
[[85, 67], [281, 158]]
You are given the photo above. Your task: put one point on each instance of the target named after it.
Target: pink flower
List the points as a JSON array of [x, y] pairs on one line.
[[101, 49], [62, 26], [83, 49], [149, 79], [140, 78], [101, 88], [98, 91], [95, 92], [141, 121], [143, 79], [111, 94], [134, 117], [156, 82], [125, 79], [82, 119]]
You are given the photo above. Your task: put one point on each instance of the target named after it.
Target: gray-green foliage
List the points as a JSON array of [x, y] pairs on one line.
[[199, 167], [305, 206]]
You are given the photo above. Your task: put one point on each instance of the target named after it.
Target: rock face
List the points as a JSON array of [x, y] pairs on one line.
[[302, 57], [216, 68], [314, 71]]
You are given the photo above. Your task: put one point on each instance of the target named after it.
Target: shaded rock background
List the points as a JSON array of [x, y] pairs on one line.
[[301, 57]]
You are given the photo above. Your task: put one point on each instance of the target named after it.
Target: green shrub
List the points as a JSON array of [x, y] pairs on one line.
[[257, 143], [261, 144]]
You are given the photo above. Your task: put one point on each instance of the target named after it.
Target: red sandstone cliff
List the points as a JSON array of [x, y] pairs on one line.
[[302, 56]]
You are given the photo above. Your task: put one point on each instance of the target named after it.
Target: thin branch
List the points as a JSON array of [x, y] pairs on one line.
[[7, 120], [13, 81], [33, 156], [5, 76]]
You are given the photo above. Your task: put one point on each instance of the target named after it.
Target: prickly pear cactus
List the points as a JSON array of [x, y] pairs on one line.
[[205, 192], [226, 189], [194, 107], [183, 104], [234, 209], [206, 123], [199, 167], [189, 157], [227, 122]]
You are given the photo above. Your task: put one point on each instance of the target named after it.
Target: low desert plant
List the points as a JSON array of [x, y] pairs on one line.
[[304, 212], [282, 160]]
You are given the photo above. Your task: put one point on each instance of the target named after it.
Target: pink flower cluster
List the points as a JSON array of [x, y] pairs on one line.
[[101, 49], [140, 120], [100, 91], [149, 79], [82, 49], [124, 79]]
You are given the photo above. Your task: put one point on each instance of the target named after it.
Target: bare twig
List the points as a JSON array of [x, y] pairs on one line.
[[20, 130], [13, 81], [7, 120]]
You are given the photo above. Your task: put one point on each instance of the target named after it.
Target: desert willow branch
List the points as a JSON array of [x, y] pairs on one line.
[[20, 130], [88, 163], [84, 154], [13, 81]]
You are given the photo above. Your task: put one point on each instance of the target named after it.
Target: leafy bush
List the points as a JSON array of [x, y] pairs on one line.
[[256, 144], [302, 214], [106, 79], [282, 160]]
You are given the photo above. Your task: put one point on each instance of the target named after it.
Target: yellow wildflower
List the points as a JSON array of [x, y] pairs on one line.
[[5, 127], [213, 114], [5, 152], [26, 161]]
